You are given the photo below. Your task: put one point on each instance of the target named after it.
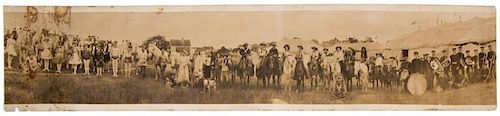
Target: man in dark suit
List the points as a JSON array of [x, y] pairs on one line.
[[491, 60], [416, 64]]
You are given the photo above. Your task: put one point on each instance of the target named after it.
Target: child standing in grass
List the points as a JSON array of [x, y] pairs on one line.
[[99, 58], [86, 55], [75, 58]]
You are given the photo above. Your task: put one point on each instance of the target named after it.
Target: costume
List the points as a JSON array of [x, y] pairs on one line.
[[75, 57]]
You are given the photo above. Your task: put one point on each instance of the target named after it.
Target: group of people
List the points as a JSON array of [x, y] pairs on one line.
[[44, 50], [456, 69]]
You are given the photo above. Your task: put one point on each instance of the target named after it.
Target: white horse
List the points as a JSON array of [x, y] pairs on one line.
[[361, 70]]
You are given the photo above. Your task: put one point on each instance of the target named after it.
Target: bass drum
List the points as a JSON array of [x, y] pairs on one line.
[[417, 84]]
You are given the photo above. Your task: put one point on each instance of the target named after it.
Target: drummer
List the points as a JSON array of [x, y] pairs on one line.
[[416, 64], [456, 65]]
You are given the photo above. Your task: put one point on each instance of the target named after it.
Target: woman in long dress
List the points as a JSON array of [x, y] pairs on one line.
[[183, 71], [288, 67], [75, 58], [59, 57], [46, 54], [198, 65], [10, 49]]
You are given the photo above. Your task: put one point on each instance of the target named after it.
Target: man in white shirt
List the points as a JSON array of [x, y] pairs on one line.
[[338, 55], [379, 61]]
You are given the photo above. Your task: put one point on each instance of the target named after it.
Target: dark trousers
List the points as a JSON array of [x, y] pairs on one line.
[[142, 72], [300, 84]]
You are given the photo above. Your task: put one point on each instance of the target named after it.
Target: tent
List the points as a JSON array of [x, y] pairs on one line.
[[478, 30]]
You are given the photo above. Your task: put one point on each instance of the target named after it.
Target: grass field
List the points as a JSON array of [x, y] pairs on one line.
[[79, 89]]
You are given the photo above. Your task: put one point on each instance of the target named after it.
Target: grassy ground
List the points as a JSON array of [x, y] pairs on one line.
[[79, 89]]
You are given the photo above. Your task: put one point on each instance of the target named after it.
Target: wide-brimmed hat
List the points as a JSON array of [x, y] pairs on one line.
[[286, 46], [299, 46], [273, 44]]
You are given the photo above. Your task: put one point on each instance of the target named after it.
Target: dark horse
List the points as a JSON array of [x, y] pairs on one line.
[[269, 68], [314, 69], [347, 67], [245, 70], [299, 73]]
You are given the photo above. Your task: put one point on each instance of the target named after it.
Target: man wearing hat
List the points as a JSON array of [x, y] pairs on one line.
[[273, 51], [456, 66], [482, 58], [314, 66], [300, 70], [245, 52], [491, 60], [433, 55], [416, 64], [273, 54], [338, 55]]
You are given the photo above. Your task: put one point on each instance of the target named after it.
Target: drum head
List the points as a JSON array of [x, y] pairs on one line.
[[417, 84]]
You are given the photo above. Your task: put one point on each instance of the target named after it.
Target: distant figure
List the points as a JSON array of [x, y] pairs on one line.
[[288, 67], [115, 57], [75, 58], [10, 49], [364, 54]]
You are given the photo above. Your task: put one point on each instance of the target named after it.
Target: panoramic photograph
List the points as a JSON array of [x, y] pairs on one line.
[[250, 54]]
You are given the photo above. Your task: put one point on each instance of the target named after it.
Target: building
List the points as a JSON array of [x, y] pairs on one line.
[[180, 45]]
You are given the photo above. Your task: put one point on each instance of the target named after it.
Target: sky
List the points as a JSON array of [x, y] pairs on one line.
[[233, 25]]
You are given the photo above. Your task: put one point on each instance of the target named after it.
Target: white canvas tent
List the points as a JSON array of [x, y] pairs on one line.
[[480, 30]]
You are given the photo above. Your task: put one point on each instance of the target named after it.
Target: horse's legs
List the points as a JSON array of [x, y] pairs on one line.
[[349, 84], [248, 81], [278, 80]]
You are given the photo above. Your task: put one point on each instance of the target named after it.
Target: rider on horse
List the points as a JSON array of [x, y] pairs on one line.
[[314, 66], [300, 70], [245, 65]]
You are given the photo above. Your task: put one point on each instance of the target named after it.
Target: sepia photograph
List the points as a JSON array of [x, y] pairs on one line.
[[250, 57]]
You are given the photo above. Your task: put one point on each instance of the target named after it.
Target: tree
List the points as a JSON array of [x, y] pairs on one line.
[[161, 42], [352, 40]]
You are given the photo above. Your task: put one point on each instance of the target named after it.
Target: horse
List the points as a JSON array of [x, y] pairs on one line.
[[245, 70], [300, 73], [348, 68], [376, 73], [233, 67], [314, 70], [361, 70], [327, 69], [262, 71], [269, 67]]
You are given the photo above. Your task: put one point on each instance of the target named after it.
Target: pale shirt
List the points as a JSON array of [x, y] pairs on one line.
[[338, 56], [175, 57], [379, 61], [142, 57]]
